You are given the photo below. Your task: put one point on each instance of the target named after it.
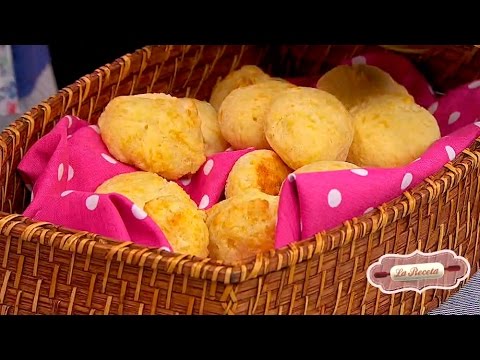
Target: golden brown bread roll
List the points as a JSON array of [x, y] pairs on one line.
[[391, 131], [180, 220], [353, 84], [305, 125], [246, 75], [212, 136], [320, 166], [242, 226], [168, 205], [154, 132], [139, 186], [260, 169], [242, 113]]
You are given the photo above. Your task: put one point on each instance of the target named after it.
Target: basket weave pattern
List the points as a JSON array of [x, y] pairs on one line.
[[46, 269]]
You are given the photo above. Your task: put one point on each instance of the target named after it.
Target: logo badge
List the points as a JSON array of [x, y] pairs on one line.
[[418, 271]]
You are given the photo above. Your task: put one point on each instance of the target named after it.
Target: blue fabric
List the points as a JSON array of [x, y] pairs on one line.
[[8, 85], [26, 79], [465, 302], [29, 61]]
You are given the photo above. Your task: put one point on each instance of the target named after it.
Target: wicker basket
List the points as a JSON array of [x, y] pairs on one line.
[[46, 269]]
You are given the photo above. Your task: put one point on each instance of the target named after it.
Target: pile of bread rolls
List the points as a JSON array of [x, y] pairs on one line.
[[357, 116]]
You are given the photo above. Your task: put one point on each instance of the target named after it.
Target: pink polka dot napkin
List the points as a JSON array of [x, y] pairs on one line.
[[313, 202], [65, 167]]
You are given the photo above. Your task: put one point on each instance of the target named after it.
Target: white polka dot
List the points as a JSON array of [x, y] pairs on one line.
[[95, 128], [70, 173], [475, 84], [292, 177], [361, 172], [186, 181], [138, 213], [334, 198], [450, 152], [60, 172], [109, 158], [433, 107], [69, 136], [204, 202], [407, 180], [70, 120], [368, 210], [66, 192], [207, 168], [431, 90], [477, 123], [359, 60], [92, 202], [164, 248], [453, 117]]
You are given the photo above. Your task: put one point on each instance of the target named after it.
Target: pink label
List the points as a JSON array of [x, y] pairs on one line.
[[418, 271]]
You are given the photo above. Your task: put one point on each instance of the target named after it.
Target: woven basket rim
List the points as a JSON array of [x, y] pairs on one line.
[[264, 263]]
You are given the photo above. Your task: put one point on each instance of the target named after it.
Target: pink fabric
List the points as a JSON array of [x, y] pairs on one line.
[[68, 164], [207, 186], [313, 202]]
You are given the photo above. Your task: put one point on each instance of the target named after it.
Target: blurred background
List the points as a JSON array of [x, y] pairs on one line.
[[30, 74]]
